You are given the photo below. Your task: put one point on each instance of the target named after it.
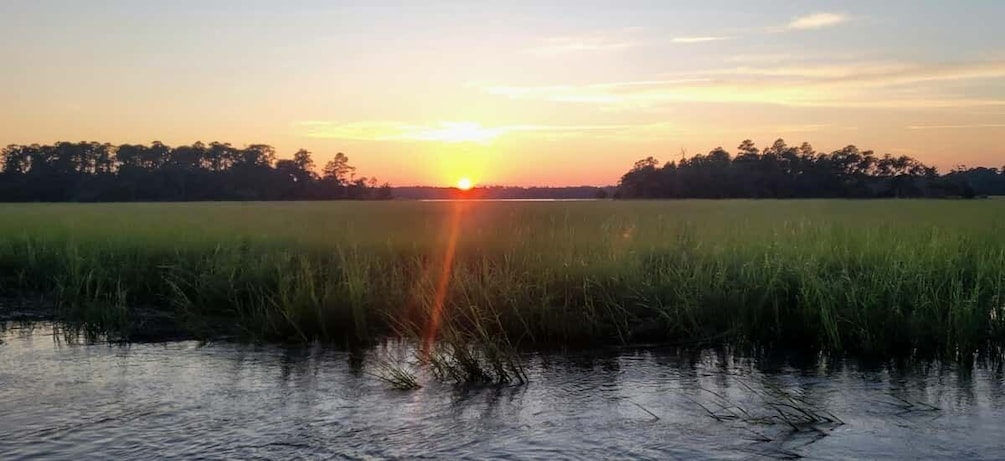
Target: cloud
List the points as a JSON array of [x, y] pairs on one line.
[[850, 84], [808, 22], [398, 131], [699, 39], [817, 21], [611, 41], [764, 58], [956, 127], [827, 70], [454, 132], [807, 128], [599, 93]]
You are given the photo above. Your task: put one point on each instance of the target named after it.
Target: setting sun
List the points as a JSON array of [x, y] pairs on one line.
[[464, 184]]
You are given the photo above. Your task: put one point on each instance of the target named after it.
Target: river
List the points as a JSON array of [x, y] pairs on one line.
[[185, 400]]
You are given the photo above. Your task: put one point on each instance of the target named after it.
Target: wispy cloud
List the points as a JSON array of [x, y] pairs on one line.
[[956, 127], [817, 21], [808, 22], [613, 40], [863, 84], [632, 37], [809, 128], [702, 39], [398, 131], [764, 58], [599, 93], [454, 132]]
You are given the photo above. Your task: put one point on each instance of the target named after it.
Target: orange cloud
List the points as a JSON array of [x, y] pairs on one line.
[[956, 127]]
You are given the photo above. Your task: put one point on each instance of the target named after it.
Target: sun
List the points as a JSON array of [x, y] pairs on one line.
[[465, 184]]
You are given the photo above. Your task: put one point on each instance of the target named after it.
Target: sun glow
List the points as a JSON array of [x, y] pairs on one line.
[[465, 184]]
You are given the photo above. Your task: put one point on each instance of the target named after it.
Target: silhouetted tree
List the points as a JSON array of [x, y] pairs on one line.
[[338, 169], [782, 171], [89, 171]]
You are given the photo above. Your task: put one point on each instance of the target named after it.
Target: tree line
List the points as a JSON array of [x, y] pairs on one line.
[[783, 171], [93, 172]]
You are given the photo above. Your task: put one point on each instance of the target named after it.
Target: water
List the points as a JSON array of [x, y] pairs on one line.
[[184, 400], [510, 200]]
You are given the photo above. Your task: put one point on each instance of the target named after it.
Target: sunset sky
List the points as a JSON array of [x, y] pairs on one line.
[[509, 92]]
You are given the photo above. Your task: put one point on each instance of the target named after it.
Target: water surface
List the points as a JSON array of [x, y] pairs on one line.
[[185, 400]]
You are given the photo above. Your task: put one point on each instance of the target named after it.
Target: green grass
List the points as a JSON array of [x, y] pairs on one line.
[[880, 278]]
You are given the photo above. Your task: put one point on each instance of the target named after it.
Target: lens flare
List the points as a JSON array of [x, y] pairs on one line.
[[443, 284]]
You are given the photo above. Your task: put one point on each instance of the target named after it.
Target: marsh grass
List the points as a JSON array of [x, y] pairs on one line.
[[464, 360], [393, 364], [867, 278], [775, 406], [397, 375]]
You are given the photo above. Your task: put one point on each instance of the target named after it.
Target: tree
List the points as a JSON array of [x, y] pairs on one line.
[[338, 170], [747, 148], [220, 156], [259, 155], [16, 159], [302, 158]]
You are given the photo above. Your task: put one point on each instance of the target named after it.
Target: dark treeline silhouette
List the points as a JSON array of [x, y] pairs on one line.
[[981, 181], [90, 172], [783, 171], [503, 193]]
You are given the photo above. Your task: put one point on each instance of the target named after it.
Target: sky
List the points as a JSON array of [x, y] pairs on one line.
[[564, 92]]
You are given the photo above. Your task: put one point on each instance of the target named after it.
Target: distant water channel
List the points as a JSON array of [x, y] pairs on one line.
[[185, 400], [510, 200]]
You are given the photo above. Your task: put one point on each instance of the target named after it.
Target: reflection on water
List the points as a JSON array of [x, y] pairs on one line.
[[183, 400]]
